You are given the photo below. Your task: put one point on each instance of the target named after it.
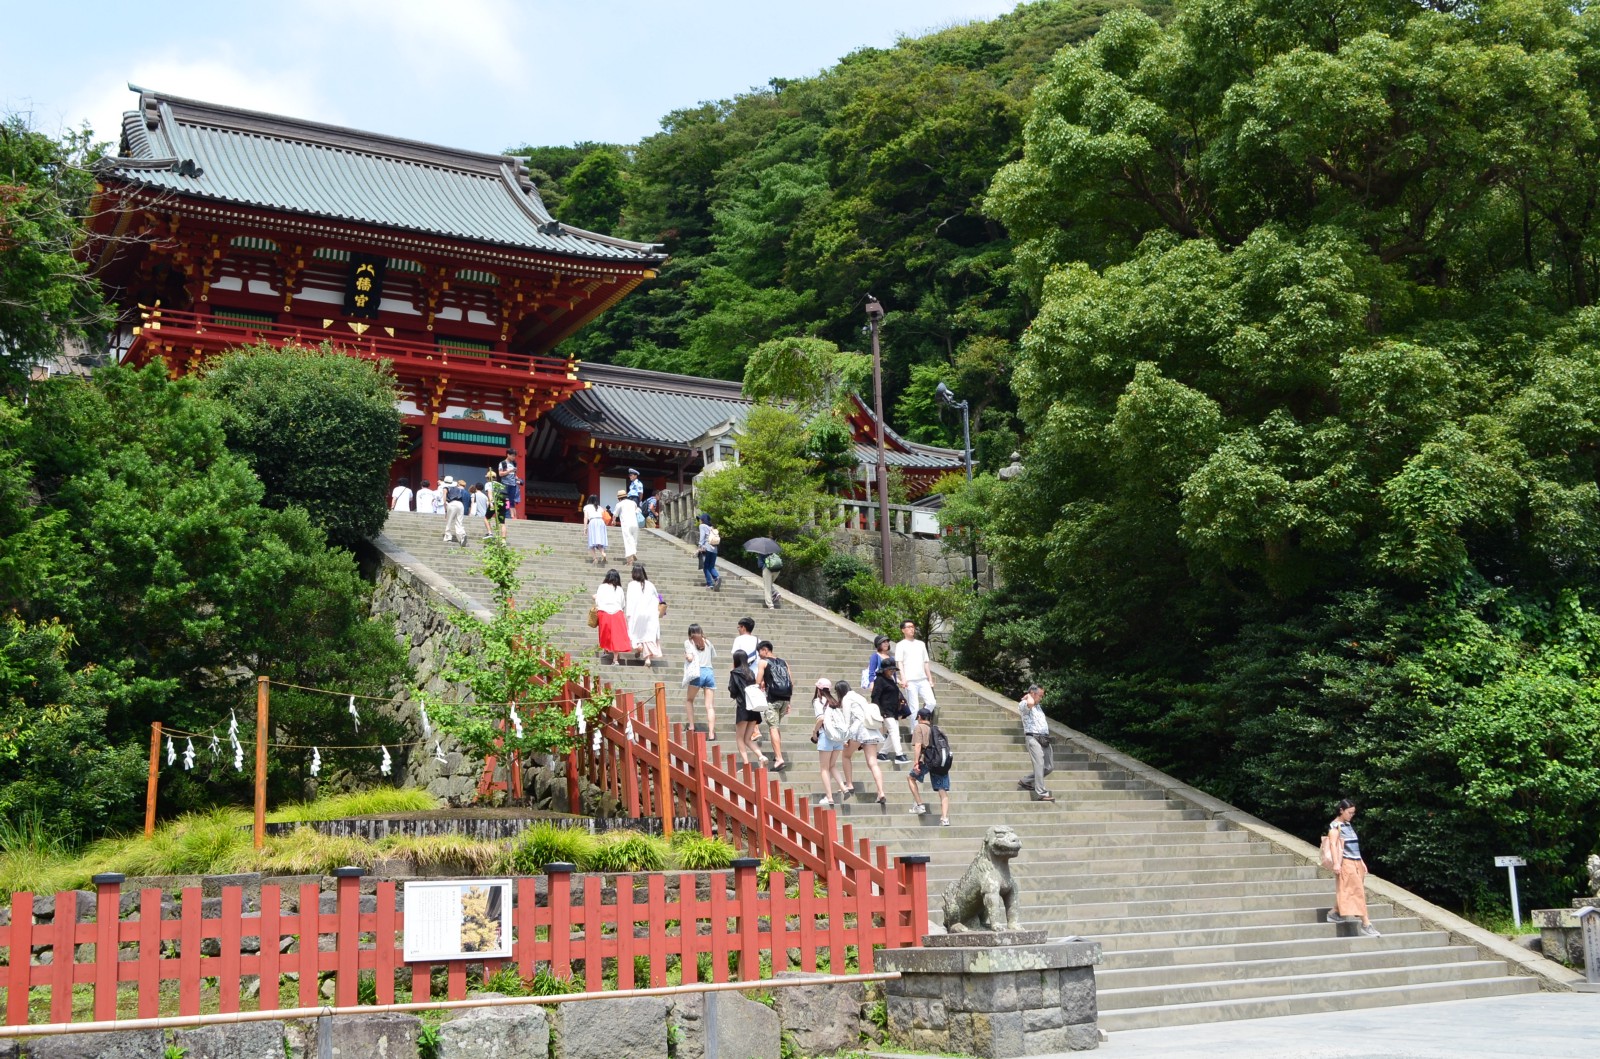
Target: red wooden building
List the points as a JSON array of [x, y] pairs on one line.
[[217, 226]]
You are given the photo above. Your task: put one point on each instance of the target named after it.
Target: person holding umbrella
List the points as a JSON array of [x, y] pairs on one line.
[[767, 549]]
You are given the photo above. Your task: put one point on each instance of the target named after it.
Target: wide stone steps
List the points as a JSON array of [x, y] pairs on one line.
[[1200, 922], [1331, 959]]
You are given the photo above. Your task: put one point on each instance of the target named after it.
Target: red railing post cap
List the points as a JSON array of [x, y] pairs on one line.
[[914, 858], [349, 872], [109, 878], [559, 867], [747, 862]]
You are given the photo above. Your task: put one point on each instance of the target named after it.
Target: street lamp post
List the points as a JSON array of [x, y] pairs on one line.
[[949, 400], [874, 319]]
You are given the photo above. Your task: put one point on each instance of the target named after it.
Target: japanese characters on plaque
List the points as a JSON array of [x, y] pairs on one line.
[[363, 288]]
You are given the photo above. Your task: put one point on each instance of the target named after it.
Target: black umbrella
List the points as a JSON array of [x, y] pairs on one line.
[[762, 546]]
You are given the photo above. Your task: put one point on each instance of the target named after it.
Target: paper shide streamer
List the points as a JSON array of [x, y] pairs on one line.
[[438, 753], [316, 761], [427, 729], [355, 714], [388, 763], [188, 754], [172, 751]]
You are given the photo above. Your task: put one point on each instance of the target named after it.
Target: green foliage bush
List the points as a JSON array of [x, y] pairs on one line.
[[629, 851], [320, 429], [693, 851], [544, 844], [838, 571]]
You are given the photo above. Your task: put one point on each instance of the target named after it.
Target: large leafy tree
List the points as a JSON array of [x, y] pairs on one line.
[[320, 429], [148, 541], [46, 296], [1310, 496]]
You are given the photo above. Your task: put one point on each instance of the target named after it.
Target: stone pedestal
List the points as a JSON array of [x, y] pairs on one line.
[[1560, 936], [993, 1001]]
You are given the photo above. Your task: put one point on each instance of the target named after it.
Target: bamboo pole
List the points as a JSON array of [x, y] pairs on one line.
[[56, 1029], [663, 759], [150, 784], [262, 692]]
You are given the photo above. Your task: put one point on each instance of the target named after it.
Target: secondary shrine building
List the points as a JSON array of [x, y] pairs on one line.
[[216, 227]]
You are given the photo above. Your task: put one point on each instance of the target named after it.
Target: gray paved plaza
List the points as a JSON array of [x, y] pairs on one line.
[[1539, 1026]]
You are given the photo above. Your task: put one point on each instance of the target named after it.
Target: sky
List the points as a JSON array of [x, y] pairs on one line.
[[475, 74]]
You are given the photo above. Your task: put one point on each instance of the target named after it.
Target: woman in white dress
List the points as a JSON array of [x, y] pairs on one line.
[[594, 521], [628, 522], [644, 616]]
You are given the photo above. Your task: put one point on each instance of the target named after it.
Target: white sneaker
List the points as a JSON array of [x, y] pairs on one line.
[[917, 810], [944, 821]]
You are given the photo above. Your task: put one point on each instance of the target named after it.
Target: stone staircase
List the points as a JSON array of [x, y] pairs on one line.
[[1200, 921]]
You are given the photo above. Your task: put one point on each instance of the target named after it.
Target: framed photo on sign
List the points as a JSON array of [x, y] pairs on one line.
[[457, 919]]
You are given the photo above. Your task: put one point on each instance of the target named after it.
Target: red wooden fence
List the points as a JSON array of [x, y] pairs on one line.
[[741, 803], [589, 929]]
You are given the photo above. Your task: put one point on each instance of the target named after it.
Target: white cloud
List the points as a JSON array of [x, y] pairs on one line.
[[438, 42], [216, 80]]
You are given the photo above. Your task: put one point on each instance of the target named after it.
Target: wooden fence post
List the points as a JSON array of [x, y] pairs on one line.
[[574, 797], [107, 914], [630, 776], [347, 941], [744, 891], [262, 693], [702, 803], [663, 766], [560, 898], [914, 867], [150, 784]]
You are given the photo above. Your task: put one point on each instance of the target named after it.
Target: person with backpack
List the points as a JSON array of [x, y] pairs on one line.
[[866, 731], [710, 540], [931, 749], [1036, 734], [770, 565], [773, 674]]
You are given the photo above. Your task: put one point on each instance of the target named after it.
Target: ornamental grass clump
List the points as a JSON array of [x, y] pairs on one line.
[[629, 851], [693, 851], [545, 843]]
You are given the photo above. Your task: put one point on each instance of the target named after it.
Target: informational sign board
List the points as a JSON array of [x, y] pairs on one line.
[[457, 919], [1510, 862]]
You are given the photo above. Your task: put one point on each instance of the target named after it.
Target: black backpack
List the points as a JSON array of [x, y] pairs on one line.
[[936, 756], [779, 684]]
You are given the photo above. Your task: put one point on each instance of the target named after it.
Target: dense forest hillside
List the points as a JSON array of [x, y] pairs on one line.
[[784, 207]]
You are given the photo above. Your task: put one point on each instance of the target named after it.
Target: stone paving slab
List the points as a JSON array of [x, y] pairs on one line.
[[1546, 1025]]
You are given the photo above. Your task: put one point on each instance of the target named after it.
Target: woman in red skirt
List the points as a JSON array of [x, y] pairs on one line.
[[609, 604]]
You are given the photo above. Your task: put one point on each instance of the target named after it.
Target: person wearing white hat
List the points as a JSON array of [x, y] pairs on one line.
[[455, 509], [628, 522]]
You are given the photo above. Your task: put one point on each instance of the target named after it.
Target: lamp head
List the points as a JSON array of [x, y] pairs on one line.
[[874, 309], [943, 393]]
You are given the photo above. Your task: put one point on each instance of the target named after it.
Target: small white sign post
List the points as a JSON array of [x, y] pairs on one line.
[[1511, 864], [457, 919]]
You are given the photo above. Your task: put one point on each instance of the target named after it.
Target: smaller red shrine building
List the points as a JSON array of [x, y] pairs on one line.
[[216, 226]]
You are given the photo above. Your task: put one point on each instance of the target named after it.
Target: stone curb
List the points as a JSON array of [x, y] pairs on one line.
[[423, 575]]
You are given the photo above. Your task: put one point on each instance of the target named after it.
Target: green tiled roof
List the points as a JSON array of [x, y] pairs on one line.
[[244, 157]]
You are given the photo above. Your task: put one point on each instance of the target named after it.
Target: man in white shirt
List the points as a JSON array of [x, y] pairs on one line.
[[425, 498], [746, 639], [455, 507], [1036, 734], [911, 658], [400, 496]]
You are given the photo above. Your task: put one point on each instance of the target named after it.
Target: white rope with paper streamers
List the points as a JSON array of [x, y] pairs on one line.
[[188, 756], [172, 751], [316, 760], [233, 737], [388, 763]]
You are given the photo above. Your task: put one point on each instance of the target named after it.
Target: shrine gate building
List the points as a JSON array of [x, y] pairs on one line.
[[216, 227]]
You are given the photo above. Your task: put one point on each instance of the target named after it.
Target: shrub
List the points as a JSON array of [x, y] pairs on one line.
[[838, 570], [544, 844], [696, 852], [375, 802], [630, 851]]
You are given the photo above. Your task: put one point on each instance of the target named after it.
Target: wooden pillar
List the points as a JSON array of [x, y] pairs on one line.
[[150, 784], [430, 454], [261, 761]]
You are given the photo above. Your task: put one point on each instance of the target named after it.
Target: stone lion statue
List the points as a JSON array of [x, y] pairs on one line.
[[1594, 874], [985, 897]]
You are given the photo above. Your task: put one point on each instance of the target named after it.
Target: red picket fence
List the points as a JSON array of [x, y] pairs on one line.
[[741, 803], [589, 927]]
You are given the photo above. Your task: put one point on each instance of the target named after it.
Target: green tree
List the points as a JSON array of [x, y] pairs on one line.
[[509, 659], [592, 194], [1309, 507], [46, 295], [813, 374], [319, 428], [774, 490]]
